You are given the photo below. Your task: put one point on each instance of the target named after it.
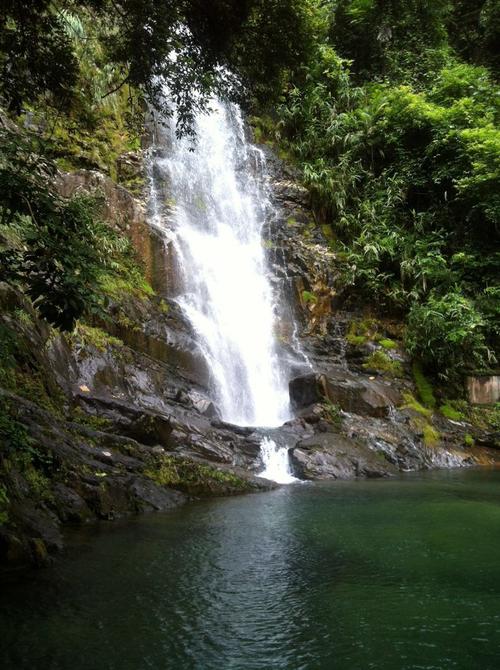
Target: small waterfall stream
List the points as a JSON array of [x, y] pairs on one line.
[[217, 203], [276, 462]]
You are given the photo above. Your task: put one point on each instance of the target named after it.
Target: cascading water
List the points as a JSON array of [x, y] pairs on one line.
[[276, 462], [218, 203]]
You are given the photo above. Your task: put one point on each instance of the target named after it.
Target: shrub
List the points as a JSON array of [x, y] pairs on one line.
[[468, 440], [401, 158], [447, 334], [61, 243], [451, 413]]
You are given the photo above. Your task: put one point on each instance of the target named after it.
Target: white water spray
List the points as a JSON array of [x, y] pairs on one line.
[[218, 202], [276, 462]]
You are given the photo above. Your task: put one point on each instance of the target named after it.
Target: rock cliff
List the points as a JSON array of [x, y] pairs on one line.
[[117, 418]]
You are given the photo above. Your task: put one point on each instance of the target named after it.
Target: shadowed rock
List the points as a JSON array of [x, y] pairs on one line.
[[351, 393]]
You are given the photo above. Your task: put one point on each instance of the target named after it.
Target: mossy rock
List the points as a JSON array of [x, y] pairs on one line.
[[195, 478], [450, 412], [424, 387], [387, 343], [383, 363], [413, 404]]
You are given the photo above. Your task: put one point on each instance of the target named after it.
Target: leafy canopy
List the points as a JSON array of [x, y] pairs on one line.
[[398, 140], [196, 48]]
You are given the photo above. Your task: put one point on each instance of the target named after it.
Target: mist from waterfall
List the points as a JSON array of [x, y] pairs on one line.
[[217, 203]]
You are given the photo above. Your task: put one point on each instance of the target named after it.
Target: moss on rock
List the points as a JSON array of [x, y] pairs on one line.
[[195, 478], [381, 362]]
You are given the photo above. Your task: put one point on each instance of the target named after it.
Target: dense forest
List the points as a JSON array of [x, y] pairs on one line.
[[250, 246], [389, 109], [394, 122]]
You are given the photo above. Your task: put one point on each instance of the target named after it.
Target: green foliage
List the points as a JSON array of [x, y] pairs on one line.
[[39, 484], [381, 362], [35, 53], [43, 44], [410, 402], [334, 413], [8, 350], [104, 119], [95, 422], [421, 420], [363, 330], [447, 333], [20, 370], [14, 437], [400, 148], [194, 478], [387, 343], [360, 331], [58, 250], [96, 337], [468, 440], [474, 27], [122, 275], [431, 435], [17, 446], [396, 39], [424, 387], [485, 418], [19, 450], [308, 297], [164, 307], [61, 246], [356, 340], [450, 412]]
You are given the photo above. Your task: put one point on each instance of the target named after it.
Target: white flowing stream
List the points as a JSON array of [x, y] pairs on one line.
[[218, 202]]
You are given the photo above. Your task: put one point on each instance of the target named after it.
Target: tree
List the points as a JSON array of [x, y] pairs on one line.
[[196, 48], [35, 53], [386, 38], [58, 254]]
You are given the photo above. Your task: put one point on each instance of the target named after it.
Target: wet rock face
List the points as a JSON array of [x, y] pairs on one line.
[[350, 392], [127, 214], [129, 427], [334, 456], [361, 426], [298, 253], [135, 427], [350, 402]]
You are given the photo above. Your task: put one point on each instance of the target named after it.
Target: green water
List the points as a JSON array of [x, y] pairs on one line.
[[390, 575]]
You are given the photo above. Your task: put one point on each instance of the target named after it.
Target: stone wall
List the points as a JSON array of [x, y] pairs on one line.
[[483, 389]]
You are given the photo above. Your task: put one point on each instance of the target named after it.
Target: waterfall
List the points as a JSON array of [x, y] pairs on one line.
[[212, 195], [276, 462]]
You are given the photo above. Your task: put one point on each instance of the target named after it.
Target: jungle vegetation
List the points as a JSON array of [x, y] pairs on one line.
[[389, 108], [394, 122]]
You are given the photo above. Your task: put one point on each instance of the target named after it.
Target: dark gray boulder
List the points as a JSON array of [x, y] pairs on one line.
[[334, 456]]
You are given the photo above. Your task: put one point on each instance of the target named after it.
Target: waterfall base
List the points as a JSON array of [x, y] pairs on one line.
[[276, 463]]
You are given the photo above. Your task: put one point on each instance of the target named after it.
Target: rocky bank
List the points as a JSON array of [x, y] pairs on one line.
[[117, 417]]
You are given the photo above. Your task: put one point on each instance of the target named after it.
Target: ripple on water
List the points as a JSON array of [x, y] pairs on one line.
[[347, 575]]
